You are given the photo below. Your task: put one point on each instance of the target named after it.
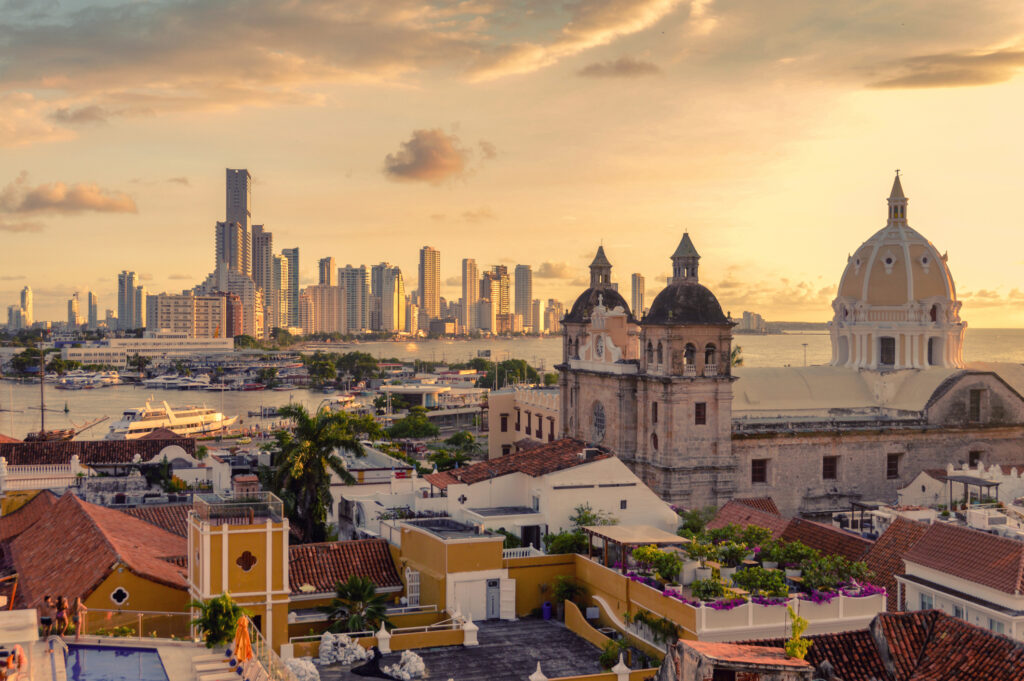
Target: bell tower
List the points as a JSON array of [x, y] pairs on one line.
[[238, 544]]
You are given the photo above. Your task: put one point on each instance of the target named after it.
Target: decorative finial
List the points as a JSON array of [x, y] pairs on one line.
[[897, 172]]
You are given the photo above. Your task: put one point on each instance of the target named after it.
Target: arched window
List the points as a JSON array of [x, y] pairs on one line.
[[576, 349], [709, 353], [660, 356], [599, 421], [934, 313], [650, 353], [654, 412], [689, 354], [654, 441]]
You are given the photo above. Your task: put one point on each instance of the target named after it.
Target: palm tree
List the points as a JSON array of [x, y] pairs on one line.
[[356, 606], [217, 620], [304, 458], [736, 356]]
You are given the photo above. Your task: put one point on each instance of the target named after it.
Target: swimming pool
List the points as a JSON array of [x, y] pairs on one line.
[[106, 663]]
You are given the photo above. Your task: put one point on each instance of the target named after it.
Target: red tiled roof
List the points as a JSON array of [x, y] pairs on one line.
[[81, 543], [161, 434], [885, 558], [172, 518], [926, 645], [766, 504], [827, 539], [6, 438], [746, 654], [736, 512], [554, 456], [973, 555], [13, 524], [324, 565], [90, 452]]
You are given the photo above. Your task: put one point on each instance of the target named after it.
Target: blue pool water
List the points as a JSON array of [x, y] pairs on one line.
[[101, 663]]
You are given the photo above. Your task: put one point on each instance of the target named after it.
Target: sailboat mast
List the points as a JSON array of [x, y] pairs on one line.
[[42, 380]]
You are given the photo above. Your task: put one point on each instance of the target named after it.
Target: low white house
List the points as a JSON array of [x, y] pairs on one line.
[[938, 486], [969, 574]]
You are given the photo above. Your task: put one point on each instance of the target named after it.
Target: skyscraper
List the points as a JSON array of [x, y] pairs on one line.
[[279, 292], [139, 308], [74, 319], [239, 197], [27, 306], [637, 303], [355, 283], [262, 258], [429, 286], [292, 256], [392, 300], [94, 312], [126, 300], [470, 295], [524, 293], [328, 272], [494, 286], [537, 316]]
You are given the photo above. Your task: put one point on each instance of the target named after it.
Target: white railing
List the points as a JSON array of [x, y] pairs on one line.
[[690, 370], [710, 370], [521, 552], [39, 469], [273, 666], [40, 482], [411, 609]]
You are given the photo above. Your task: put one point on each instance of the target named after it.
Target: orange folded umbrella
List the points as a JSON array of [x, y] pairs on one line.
[[243, 644]]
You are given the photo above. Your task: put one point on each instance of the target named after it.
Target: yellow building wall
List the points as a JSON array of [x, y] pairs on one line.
[[475, 556], [423, 552], [143, 595], [15, 499], [535, 578]]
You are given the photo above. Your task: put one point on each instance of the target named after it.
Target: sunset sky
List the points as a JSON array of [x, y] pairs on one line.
[[514, 132]]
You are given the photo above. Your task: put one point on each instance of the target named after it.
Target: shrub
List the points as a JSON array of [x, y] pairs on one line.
[[826, 573], [752, 535], [668, 565], [732, 553], [610, 654], [796, 646], [730, 532], [565, 542], [700, 550], [707, 589], [646, 557], [566, 589], [759, 581], [796, 553]]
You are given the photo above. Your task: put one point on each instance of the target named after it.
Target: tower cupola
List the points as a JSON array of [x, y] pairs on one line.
[[685, 261], [897, 202], [600, 270]]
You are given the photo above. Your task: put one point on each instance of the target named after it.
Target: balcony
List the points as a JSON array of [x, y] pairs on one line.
[[710, 370], [690, 370], [242, 509]]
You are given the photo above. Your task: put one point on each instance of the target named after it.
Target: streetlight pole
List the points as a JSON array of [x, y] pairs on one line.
[[805, 353]]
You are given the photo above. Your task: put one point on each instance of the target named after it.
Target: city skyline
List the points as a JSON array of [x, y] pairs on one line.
[[776, 155]]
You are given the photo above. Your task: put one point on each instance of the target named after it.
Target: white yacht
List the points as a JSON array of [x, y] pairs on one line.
[[191, 420]]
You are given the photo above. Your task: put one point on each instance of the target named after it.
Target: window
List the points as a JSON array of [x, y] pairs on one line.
[[759, 471], [660, 355], [529, 420], [958, 612], [723, 675], [535, 503], [974, 408], [598, 417], [973, 459], [654, 412], [689, 354], [506, 449], [517, 420], [504, 423], [654, 441], [830, 468], [700, 413], [927, 602], [540, 426], [412, 587], [996, 626], [709, 353], [622, 504], [650, 353], [892, 466], [551, 430], [887, 351]]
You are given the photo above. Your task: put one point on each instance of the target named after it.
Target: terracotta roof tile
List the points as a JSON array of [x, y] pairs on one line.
[[81, 543], [90, 452], [827, 539], [885, 557], [736, 512], [958, 651], [6, 438], [161, 434], [853, 654], [13, 524], [766, 504], [324, 565], [955, 551], [548, 458], [172, 518]]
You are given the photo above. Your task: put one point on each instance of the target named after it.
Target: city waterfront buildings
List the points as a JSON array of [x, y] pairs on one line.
[[327, 272], [355, 285], [232, 247], [93, 307], [194, 316], [74, 318], [292, 256], [524, 295], [27, 307], [116, 352]]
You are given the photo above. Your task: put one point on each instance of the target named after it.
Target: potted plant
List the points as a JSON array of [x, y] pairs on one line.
[[217, 620], [646, 557], [771, 553], [566, 589], [794, 554], [701, 551], [731, 554], [668, 565], [707, 589]]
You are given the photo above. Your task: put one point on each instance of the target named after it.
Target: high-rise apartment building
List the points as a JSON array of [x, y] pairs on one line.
[[126, 285], [355, 283], [429, 286], [27, 306], [292, 256], [279, 313], [470, 295], [537, 316], [502, 295], [262, 259], [524, 293], [233, 247], [238, 203], [392, 300], [16, 318], [322, 309], [139, 308], [94, 311], [553, 314], [637, 303], [412, 314], [195, 316], [74, 319], [250, 298], [328, 272]]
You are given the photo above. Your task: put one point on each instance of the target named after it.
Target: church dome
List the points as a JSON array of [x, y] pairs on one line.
[[590, 298], [896, 266], [685, 302]]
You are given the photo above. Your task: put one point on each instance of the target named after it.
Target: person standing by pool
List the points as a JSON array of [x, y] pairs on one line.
[[46, 615], [78, 616], [62, 621]]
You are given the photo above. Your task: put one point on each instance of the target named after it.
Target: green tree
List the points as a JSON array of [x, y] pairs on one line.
[[139, 362], [304, 458], [446, 460], [356, 606], [550, 379], [267, 376], [218, 619], [508, 372], [244, 342], [416, 425], [695, 520], [464, 442], [321, 368], [358, 365], [736, 356], [585, 516]]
